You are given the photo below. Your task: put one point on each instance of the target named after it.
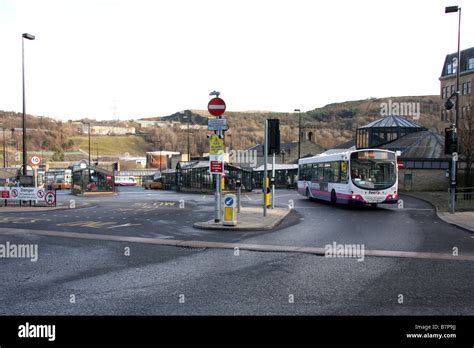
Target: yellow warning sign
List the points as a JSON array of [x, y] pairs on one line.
[[216, 145]]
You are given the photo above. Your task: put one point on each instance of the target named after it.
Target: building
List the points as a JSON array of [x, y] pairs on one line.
[[422, 162], [159, 159], [107, 130], [254, 156], [141, 161], [159, 124], [466, 79]]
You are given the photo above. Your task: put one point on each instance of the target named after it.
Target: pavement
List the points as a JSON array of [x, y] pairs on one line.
[[28, 209], [463, 219], [249, 219]]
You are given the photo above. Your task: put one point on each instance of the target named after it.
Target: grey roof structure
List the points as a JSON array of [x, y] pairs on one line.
[[393, 121], [425, 144]]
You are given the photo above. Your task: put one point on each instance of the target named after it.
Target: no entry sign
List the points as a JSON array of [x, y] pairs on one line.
[[216, 106]]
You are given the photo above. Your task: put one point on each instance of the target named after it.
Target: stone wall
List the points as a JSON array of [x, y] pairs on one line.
[[422, 180]]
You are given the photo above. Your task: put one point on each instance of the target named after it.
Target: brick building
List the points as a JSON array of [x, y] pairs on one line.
[[466, 80]]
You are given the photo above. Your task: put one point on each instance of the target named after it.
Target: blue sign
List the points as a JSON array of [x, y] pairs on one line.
[[229, 201]]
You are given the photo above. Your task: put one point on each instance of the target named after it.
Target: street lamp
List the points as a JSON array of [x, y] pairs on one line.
[[452, 9], [89, 132], [186, 117], [23, 37], [97, 145], [4, 148], [299, 132]]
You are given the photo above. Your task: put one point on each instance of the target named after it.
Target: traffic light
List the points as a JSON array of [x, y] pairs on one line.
[[273, 136], [450, 141]]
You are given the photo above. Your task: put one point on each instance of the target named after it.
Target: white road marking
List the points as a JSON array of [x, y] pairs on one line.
[[222, 245], [124, 225]]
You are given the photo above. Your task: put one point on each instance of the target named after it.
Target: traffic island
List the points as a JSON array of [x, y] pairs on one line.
[[27, 208], [249, 219]]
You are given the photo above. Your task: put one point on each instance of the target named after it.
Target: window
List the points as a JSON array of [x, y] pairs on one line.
[[464, 88], [443, 92], [344, 172], [470, 63], [327, 173], [449, 69], [468, 84], [452, 89], [335, 171], [315, 175]]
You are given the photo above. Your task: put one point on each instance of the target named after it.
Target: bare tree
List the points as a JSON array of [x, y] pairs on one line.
[[466, 138]]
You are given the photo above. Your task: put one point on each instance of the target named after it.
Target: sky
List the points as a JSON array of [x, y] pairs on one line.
[[117, 59]]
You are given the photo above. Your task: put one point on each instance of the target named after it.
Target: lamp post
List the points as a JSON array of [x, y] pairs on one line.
[[299, 132], [452, 9], [23, 37], [97, 146], [189, 149], [4, 148], [188, 118], [89, 133]]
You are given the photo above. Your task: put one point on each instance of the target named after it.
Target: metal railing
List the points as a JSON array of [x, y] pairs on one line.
[[464, 199]]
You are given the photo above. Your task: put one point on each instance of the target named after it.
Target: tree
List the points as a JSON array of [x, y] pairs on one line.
[[466, 138], [58, 155]]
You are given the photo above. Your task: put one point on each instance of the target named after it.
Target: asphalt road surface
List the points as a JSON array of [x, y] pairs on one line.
[[74, 275]]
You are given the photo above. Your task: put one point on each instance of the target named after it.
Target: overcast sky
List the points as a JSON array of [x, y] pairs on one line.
[[153, 58]]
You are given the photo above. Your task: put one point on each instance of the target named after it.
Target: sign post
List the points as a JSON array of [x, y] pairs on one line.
[[216, 107], [265, 176]]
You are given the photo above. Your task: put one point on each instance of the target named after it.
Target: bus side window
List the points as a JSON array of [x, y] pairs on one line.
[[343, 172], [314, 176]]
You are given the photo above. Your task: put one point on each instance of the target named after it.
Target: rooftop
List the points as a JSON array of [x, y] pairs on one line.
[[425, 144], [393, 121]]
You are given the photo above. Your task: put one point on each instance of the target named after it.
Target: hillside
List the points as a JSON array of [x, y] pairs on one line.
[[334, 124]]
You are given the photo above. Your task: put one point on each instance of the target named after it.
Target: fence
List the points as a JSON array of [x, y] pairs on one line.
[[464, 198]]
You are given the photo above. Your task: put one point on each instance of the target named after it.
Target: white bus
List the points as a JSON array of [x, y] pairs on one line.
[[121, 180], [359, 176]]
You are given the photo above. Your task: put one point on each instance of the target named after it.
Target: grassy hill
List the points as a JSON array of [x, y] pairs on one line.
[[134, 145]]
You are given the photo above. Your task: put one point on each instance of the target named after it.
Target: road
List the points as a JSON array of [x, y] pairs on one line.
[[122, 277]]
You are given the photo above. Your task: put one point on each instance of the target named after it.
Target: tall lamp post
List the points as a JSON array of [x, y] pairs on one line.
[[23, 37], [4, 148], [299, 132], [97, 147], [452, 9], [188, 118], [89, 133]]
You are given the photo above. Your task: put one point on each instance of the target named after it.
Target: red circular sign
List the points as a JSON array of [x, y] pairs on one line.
[[35, 160], [216, 106]]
